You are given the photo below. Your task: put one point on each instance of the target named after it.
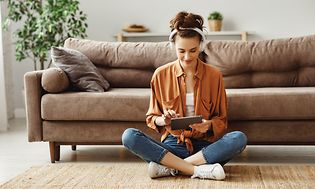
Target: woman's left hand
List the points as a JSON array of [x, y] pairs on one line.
[[203, 127]]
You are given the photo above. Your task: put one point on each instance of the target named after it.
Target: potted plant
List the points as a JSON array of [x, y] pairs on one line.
[[215, 21], [44, 24]]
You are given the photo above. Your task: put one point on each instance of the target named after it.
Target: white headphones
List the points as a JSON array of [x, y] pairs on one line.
[[203, 37]]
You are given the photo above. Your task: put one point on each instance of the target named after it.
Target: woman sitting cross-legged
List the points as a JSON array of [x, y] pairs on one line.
[[187, 87]]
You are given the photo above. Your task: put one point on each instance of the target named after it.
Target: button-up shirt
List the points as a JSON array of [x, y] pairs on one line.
[[168, 91]]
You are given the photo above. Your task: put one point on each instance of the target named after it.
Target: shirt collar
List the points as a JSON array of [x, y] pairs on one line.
[[180, 71]]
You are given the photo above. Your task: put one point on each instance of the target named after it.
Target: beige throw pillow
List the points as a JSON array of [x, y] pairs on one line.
[[82, 73], [55, 80]]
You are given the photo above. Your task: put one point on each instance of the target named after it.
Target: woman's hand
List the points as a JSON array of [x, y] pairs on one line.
[[166, 117], [203, 127]]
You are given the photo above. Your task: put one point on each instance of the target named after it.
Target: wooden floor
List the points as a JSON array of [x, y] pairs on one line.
[[18, 155]]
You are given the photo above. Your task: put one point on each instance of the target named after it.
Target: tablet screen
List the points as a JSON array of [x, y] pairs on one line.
[[184, 122]]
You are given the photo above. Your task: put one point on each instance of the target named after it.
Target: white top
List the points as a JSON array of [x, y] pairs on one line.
[[190, 109]]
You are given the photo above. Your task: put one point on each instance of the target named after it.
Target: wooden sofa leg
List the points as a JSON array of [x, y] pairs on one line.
[[52, 148], [74, 147], [57, 152]]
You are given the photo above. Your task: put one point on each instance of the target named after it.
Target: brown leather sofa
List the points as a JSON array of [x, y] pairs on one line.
[[270, 89]]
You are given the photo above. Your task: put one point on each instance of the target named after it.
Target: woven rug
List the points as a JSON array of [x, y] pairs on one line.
[[134, 175]]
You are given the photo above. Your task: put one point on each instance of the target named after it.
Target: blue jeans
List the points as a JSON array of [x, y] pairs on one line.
[[149, 149]]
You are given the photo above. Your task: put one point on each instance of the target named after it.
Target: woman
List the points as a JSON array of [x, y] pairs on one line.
[[187, 87]]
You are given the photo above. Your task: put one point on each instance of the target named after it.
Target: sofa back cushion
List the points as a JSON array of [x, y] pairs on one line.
[[267, 63], [139, 55], [125, 64], [127, 77]]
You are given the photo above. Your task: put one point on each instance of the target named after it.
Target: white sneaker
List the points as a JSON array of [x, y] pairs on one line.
[[156, 170], [209, 171]]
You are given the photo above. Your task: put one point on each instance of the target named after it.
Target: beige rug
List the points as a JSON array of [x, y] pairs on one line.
[[134, 175]]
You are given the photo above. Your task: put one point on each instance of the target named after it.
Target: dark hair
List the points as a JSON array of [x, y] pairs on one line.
[[186, 20]]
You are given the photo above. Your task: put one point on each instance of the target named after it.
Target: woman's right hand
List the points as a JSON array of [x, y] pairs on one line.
[[166, 117]]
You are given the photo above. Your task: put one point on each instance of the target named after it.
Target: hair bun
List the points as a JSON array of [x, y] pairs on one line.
[[186, 20]]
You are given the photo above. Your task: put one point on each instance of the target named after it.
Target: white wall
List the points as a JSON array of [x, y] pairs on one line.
[[267, 18]]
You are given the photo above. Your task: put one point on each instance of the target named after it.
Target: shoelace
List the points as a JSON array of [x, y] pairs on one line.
[[164, 170], [174, 172]]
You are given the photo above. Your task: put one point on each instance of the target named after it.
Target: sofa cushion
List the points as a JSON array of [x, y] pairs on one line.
[[127, 77], [117, 104], [80, 70], [55, 80], [293, 103], [131, 104], [140, 55], [265, 63]]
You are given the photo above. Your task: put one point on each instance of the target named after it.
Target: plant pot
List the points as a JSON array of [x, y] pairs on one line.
[[215, 25]]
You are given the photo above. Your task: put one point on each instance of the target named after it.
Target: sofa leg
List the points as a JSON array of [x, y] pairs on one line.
[[52, 148], [74, 147], [57, 152]]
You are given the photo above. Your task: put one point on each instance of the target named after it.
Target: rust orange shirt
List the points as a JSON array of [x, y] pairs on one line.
[[168, 91]]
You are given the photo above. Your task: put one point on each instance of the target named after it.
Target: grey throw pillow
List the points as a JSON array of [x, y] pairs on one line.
[[82, 73]]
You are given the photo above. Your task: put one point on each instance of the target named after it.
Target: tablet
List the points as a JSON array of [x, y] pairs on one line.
[[184, 122]]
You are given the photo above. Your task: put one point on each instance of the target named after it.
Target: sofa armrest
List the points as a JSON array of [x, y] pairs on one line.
[[33, 94]]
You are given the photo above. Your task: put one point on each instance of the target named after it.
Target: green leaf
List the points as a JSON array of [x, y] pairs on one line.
[[43, 24], [215, 15], [6, 24]]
